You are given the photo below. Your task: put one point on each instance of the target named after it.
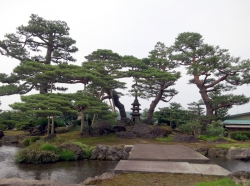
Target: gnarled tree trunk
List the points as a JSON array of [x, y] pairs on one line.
[[151, 109], [120, 106]]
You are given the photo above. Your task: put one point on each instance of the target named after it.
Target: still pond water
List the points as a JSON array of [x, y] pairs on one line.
[[77, 171], [68, 172]]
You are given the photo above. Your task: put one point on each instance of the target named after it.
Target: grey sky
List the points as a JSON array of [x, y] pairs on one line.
[[132, 27]]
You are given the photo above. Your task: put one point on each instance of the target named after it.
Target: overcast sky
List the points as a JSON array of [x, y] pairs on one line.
[[132, 27]]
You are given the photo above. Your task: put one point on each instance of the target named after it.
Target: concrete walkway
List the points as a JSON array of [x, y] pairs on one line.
[[168, 159], [176, 153]]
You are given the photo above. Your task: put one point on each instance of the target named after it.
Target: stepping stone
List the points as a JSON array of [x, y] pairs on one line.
[[211, 169], [155, 166], [176, 153], [170, 167]]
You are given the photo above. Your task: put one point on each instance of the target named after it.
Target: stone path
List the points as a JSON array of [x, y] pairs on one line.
[[176, 153], [168, 159]]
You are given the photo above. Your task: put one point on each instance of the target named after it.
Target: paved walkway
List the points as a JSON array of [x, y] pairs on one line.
[[168, 159], [176, 153]]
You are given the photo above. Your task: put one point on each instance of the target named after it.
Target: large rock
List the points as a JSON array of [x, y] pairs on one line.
[[1, 134], [217, 152], [185, 138], [96, 179], [203, 151], [126, 135], [103, 152], [141, 130], [239, 154], [119, 128], [101, 127], [13, 140], [116, 154], [158, 132], [60, 130], [99, 153], [124, 122], [37, 131], [240, 177], [10, 140], [79, 153]]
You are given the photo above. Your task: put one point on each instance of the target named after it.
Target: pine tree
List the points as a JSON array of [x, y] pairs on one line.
[[212, 69], [41, 41], [154, 76]]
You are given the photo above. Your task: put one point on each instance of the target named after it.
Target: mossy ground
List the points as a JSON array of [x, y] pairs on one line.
[[155, 179]]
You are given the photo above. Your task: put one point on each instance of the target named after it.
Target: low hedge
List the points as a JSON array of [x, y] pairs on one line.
[[241, 136]]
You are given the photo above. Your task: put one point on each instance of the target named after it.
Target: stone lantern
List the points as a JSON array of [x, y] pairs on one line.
[[135, 115]]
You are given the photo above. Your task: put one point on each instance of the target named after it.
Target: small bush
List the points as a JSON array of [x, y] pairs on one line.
[[241, 137], [26, 142], [32, 156], [215, 129], [34, 138], [49, 147], [190, 127], [67, 155], [234, 134]]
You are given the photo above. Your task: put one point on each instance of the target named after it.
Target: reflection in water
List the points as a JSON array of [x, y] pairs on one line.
[[68, 172]]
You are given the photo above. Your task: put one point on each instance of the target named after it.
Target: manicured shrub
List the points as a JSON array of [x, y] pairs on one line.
[[241, 137], [67, 155], [238, 135], [31, 156], [215, 129], [190, 127]]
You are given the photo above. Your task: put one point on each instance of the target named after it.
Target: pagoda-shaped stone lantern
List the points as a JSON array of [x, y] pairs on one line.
[[135, 111]]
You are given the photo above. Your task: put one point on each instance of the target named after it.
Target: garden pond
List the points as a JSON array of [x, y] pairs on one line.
[[77, 171]]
